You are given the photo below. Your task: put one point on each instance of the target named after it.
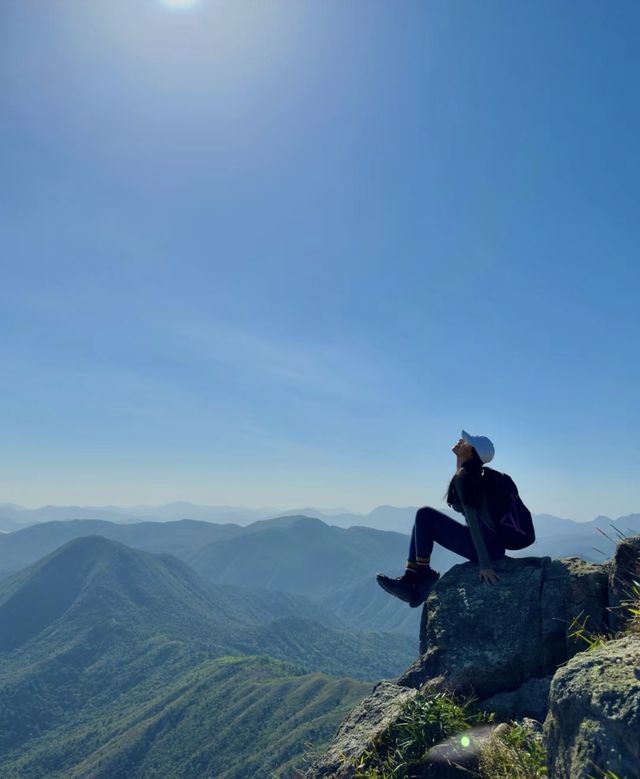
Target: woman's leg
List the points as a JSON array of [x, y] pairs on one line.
[[434, 526], [411, 557], [430, 526]]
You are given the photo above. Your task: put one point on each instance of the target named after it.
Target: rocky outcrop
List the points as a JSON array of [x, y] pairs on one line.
[[484, 640], [365, 723], [513, 648], [593, 724]]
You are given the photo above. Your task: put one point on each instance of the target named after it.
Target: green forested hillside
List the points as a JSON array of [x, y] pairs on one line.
[[370, 608], [294, 556], [105, 651], [228, 717], [357, 654], [308, 557]]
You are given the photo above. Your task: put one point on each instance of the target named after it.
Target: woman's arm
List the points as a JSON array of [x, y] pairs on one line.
[[468, 496], [473, 520]]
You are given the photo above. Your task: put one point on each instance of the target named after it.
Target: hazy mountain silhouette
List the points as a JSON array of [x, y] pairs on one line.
[[13, 516], [593, 541], [383, 517], [181, 538], [307, 557]]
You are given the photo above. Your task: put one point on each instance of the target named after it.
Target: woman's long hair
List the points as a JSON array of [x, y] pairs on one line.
[[449, 495]]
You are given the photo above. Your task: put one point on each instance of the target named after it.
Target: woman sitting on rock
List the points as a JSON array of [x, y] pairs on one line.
[[478, 541]]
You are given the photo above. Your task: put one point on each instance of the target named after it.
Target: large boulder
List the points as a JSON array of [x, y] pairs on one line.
[[481, 639], [593, 724], [366, 722], [515, 647]]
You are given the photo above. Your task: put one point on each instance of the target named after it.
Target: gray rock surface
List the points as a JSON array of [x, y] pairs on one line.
[[625, 569], [485, 639], [530, 700], [371, 718], [594, 713]]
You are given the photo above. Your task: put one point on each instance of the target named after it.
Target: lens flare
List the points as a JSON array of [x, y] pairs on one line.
[[462, 748]]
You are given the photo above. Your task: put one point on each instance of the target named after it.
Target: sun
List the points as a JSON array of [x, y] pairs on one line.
[[179, 3]]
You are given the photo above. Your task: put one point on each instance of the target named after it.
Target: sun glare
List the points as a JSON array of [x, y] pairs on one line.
[[178, 3]]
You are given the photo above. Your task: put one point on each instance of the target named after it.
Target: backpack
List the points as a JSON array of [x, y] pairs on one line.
[[512, 518]]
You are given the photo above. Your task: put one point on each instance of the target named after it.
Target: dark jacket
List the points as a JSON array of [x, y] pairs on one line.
[[474, 485], [469, 497]]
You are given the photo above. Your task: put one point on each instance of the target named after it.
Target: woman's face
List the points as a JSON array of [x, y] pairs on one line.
[[462, 449]]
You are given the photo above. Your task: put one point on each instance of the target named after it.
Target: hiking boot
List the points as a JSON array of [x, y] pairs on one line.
[[424, 581], [411, 587], [401, 587]]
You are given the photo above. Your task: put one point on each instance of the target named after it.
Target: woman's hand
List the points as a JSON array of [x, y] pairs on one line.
[[488, 575]]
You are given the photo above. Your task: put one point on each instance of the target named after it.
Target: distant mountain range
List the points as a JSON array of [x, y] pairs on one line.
[[296, 555], [594, 541], [303, 556], [13, 517]]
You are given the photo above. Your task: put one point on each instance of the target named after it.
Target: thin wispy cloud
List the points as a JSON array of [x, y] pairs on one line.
[[314, 370]]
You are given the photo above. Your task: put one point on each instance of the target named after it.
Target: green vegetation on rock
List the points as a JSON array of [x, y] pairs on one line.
[[402, 750]]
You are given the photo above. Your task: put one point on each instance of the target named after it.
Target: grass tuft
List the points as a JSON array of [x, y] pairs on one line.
[[514, 753], [401, 751], [578, 629]]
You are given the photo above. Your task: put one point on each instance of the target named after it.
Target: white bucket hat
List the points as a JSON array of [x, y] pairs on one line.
[[481, 444]]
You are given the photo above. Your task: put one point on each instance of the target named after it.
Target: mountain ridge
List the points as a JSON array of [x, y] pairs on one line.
[[380, 517]]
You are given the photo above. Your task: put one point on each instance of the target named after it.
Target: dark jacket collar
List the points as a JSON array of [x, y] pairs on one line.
[[472, 465]]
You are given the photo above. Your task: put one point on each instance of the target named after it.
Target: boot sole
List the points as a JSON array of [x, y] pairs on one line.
[[414, 602]]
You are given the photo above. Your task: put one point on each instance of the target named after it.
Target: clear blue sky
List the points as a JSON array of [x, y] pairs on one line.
[[280, 253]]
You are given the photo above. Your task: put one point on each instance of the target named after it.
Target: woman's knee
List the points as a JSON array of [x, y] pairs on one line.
[[425, 514]]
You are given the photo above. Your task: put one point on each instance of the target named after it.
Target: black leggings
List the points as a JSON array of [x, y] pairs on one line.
[[431, 525]]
